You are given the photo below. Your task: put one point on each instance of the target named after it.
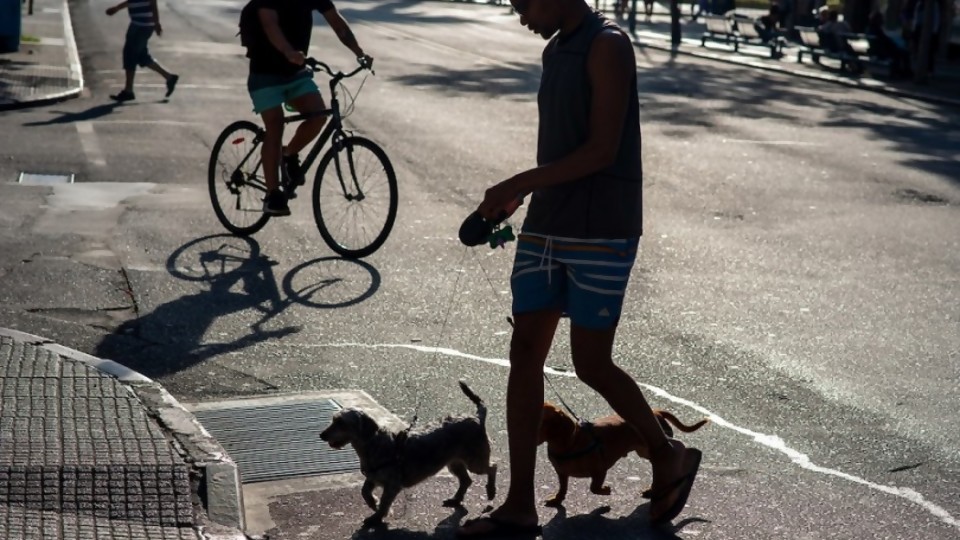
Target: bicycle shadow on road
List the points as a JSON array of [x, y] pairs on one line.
[[238, 282]]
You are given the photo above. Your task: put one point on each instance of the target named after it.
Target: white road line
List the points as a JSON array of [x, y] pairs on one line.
[[150, 122], [775, 143], [90, 144], [770, 441]]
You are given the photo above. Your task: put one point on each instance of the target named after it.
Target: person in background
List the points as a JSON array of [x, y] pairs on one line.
[[144, 21]]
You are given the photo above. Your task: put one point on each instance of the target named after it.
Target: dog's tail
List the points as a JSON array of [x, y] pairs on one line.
[[481, 407], [680, 425]]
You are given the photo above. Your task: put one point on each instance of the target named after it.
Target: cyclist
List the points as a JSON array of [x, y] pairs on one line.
[[277, 34]]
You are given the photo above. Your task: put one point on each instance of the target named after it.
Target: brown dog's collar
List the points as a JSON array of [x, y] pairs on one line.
[[596, 444]]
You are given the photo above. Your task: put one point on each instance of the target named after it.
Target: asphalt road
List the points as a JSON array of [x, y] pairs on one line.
[[799, 279]]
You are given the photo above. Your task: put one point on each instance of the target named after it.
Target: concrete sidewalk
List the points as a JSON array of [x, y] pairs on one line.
[[90, 449], [47, 66]]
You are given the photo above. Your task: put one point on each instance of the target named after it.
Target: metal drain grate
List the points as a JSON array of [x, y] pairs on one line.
[[37, 179], [273, 442]]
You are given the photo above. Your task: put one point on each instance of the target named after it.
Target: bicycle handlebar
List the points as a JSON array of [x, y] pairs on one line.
[[317, 65]]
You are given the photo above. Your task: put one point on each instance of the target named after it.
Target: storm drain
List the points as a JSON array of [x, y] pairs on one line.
[[37, 179], [274, 442]]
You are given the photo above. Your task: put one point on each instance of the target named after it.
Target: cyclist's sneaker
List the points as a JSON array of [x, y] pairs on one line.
[[275, 204], [293, 171]]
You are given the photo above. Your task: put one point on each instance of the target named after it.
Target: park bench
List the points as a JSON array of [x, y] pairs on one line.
[[748, 33], [719, 28], [730, 31], [810, 41]]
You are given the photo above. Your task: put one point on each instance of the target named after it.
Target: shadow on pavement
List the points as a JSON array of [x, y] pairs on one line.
[[496, 81], [394, 11], [92, 113], [926, 136], [236, 277]]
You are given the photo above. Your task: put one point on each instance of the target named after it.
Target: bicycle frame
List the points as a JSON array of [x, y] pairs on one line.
[[333, 130]]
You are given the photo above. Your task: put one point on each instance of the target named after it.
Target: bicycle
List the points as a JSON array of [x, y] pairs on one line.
[[238, 189]]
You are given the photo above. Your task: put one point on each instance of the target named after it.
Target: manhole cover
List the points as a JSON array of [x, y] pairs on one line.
[[277, 441], [37, 179]]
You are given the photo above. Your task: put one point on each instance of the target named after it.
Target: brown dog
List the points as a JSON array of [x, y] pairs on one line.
[[590, 449]]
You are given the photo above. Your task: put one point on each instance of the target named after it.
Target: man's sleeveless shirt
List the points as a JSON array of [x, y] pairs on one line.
[[606, 204]]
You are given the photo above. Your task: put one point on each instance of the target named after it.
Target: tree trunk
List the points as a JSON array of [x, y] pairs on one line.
[[923, 48], [675, 23]]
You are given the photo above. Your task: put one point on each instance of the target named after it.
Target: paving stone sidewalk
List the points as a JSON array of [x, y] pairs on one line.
[[82, 456], [47, 66]]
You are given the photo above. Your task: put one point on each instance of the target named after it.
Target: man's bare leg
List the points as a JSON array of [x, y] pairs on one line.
[[271, 147], [308, 130], [592, 352], [532, 336]]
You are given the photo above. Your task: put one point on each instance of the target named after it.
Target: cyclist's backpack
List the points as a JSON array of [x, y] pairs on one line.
[[251, 31]]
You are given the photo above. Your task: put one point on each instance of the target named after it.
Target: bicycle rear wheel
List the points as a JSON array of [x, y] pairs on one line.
[[355, 197], [236, 179]]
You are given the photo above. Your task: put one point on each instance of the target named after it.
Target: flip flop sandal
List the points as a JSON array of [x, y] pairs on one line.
[[684, 484], [500, 529]]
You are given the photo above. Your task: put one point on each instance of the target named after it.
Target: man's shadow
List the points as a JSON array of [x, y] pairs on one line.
[[634, 526], [97, 111]]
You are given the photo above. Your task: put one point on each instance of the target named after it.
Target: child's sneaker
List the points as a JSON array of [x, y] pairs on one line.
[[123, 95], [275, 204], [172, 84]]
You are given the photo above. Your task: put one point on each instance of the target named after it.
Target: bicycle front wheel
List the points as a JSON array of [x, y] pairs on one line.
[[355, 197], [236, 179]]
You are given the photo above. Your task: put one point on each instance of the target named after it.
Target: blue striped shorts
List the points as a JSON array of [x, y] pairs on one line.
[[584, 279]]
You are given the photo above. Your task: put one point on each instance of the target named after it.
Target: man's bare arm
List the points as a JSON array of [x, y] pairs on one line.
[[156, 17], [113, 9], [343, 31], [610, 65]]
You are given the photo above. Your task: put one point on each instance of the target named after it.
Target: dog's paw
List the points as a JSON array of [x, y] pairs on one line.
[[554, 502], [373, 522], [605, 490]]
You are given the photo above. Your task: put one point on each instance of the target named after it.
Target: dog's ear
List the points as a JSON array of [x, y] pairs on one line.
[[367, 427]]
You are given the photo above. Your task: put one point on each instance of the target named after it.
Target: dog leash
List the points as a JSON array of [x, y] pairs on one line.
[[443, 329]]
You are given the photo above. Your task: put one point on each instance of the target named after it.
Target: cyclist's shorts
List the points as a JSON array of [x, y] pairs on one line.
[[584, 279], [269, 91]]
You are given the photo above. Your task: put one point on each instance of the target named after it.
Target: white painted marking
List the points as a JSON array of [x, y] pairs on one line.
[[59, 42], [774, 143], [73, 55], [770, 441], [90, 144], [149, 122]]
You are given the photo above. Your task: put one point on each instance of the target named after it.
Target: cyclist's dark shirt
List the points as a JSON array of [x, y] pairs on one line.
[[296, 22]]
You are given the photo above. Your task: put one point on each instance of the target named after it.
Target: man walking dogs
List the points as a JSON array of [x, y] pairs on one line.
[[576, 249], [144, 21]]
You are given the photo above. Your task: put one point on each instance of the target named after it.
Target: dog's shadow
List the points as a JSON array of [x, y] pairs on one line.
[[444, 529], [635, 526]]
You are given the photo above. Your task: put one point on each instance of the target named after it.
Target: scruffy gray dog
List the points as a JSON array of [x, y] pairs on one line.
[[397, 460]]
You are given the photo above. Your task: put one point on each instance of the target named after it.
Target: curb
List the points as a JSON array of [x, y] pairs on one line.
[[75, 70], [853, 83], [220, 479]]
